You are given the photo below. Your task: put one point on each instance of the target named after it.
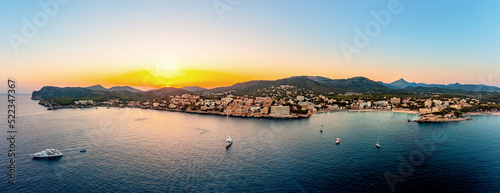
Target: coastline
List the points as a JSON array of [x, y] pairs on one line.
[[393, 111], [193, 112], [418, 113], [51, 107], [482, 114], [232, 115]]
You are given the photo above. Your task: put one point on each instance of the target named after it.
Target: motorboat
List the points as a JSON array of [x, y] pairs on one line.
[[337, 141]]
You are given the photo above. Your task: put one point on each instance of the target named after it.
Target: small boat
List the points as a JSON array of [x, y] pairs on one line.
[[229, 140], [83, 150], [337, 141], [378, 143], [321, 130], [47, 153]]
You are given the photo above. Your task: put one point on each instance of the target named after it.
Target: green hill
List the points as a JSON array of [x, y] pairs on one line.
[[76, 93]]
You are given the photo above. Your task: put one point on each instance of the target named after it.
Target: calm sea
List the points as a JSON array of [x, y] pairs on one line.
[[136, 150]]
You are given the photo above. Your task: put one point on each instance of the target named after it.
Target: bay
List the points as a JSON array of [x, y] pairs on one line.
[[137, 150]]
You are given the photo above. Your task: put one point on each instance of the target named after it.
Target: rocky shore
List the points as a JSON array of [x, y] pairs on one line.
[[431, 119], [484, 113]]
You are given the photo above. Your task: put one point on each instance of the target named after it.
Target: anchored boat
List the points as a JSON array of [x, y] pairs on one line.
[[229, 141]]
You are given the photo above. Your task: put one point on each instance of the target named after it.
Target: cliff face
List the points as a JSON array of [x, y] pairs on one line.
[[68, 92], [44, 102]]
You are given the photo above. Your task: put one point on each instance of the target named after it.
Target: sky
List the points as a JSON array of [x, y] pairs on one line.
[[210, 43]]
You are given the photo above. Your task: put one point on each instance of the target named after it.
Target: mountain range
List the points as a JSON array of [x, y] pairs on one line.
[[401, 84], [314, 83], [116, 88]]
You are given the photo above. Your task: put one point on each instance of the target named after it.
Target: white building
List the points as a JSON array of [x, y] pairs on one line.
[[84, 102], [395, 100], [428, 103], [280, 111], [300, 98], [254, 109], [437, 108], [458, 107], [364, 105], [381, 103]]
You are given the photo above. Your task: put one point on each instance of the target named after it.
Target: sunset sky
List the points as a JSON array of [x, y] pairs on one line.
[[157, 43]]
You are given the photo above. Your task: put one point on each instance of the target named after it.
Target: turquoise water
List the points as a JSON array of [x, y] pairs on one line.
[[136, 150]]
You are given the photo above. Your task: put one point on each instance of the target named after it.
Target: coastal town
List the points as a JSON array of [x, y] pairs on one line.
[[287, 101]]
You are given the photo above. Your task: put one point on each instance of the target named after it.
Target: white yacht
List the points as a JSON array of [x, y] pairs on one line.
[[378, 143], [337, 140], [47, 153]]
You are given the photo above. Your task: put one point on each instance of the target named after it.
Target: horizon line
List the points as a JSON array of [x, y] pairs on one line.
[[107, 86]]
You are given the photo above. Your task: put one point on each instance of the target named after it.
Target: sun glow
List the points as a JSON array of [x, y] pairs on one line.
[[165, 70], [170, 75]]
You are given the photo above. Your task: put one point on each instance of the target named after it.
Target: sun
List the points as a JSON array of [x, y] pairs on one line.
[[164, 74], [166, 70]]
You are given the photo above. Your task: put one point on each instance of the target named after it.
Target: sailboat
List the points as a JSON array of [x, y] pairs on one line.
[[378, 143], [229, 141]]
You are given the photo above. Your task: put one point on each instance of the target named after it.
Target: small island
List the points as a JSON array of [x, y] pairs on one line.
[[435, 119], [443, 116]]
